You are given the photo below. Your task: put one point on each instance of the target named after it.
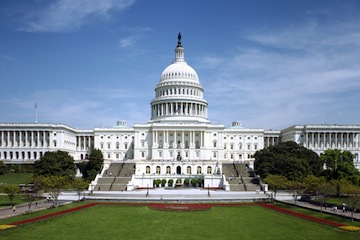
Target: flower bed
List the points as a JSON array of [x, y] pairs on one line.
[[54, 214], [300, 215], [180, 207]]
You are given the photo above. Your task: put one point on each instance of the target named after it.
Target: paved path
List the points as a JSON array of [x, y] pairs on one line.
[[328, 210], [6, 212]]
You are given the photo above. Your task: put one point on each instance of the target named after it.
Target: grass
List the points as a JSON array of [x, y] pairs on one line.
[[15, 178], [126, 222]]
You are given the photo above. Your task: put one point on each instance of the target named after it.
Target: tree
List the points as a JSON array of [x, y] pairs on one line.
[[353, 192], [276, 182], [2, 168], [32, 189], [93, 166], [297, 187], [324, 190], [54, 184], [79, 185], [170, 182], [288, 159], [339, 165], [11, 191], [312, 183], [57, 163]]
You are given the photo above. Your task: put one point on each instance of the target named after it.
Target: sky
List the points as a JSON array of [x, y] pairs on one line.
[[269, 64]]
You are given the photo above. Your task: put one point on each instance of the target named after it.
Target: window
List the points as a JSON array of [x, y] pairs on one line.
[[160, 154], [231, 156], [101, 145], [108, 155], [255, 146], [158, 170], [117, 145], [142, 154], [147, 169], [109, 145], [214, 143], [248, 146], [198, 170], [209, 171], [214, 154], [125, 145], [188, 170], [168, 170], [117, 155], [231, 146]]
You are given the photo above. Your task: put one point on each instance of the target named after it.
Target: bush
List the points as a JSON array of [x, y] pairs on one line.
[[163, 182], [170, 182]]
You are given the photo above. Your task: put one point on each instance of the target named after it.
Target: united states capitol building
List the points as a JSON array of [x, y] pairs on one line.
[[177, 142]]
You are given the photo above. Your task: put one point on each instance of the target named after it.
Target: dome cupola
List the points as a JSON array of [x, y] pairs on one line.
[[179, 94]]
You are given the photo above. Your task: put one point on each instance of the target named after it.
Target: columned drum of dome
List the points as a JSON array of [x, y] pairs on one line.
[[179, 96]]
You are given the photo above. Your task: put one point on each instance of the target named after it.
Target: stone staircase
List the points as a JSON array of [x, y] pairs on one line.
[[239, 177], [116, 177]]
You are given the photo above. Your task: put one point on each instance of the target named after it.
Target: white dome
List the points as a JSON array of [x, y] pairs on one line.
[[179, 70]]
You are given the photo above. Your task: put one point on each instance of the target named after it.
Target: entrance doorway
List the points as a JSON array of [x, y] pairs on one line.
[[178, 170]]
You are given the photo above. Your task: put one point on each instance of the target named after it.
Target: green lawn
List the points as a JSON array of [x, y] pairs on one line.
[[125, 222], [15, 178]]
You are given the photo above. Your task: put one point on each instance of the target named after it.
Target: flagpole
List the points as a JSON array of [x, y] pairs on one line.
[[36, 113]]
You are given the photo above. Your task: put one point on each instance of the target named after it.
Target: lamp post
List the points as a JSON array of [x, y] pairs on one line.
[[147, 191]]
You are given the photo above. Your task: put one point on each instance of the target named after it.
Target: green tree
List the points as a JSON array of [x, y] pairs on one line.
[[54, 184], [339, 165], [288, 159], [79, 185], [11, 191], [276, 182], [312, 183], [297, 187], [2, 168], [324, 190], [353, 192], [93, 166], [57, 163]]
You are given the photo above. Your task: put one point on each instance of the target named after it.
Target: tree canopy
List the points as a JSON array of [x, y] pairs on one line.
[[57, 163], [93, 166], [339, 165], [288, 159]]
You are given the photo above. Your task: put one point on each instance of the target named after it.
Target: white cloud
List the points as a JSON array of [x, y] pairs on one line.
[[69, 15], [291, 76], [127, 42]]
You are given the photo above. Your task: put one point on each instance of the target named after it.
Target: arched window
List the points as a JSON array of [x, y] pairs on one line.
[[209, 170], [168, 170], [158, 170], [147, 169], [198, 171], [188, 170]]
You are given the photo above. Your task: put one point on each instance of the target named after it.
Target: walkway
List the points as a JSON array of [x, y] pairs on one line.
[[24, 208], [328, 210]]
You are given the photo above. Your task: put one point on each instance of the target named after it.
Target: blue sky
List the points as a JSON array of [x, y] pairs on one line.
[[269, 64]]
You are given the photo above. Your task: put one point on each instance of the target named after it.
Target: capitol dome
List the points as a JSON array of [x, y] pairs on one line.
[[179, 95], [179, 70]]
